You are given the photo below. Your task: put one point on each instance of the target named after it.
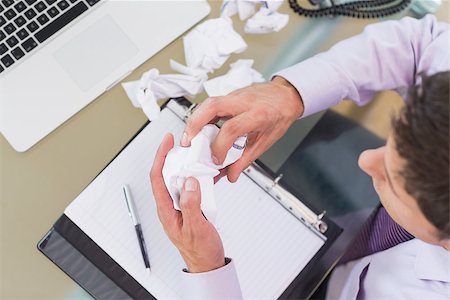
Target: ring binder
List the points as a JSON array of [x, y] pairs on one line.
[[118, 278], [319, 224], [287, 200], [189, 111], [275, 182]]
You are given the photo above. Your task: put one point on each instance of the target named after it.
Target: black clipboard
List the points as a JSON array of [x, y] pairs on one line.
[[67, 246]]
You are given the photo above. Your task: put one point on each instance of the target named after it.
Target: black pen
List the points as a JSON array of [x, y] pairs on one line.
[[137, 225]]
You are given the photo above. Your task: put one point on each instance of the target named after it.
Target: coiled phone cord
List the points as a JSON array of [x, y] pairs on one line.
[[357, 9]]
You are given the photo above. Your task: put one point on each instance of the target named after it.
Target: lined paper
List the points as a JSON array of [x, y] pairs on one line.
[[268, 244]]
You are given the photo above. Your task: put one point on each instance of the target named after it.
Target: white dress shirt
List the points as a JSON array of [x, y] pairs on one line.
[[410, 270], [386, 56]]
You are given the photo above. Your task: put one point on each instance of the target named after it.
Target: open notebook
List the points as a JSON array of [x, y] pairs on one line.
[[269, 244]]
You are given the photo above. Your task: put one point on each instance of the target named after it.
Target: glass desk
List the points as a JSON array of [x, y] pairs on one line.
[[37, 185]]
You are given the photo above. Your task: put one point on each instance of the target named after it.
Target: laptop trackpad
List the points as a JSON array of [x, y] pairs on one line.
[[95, 53]]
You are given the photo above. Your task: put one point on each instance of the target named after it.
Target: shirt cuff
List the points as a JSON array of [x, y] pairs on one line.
[[221, 283], [317, 82]]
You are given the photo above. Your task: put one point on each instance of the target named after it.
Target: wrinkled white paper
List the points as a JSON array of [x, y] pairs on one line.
[[241, 74], [208, 46], [196, 161], [246, 8], [266, 21], [153, 86]]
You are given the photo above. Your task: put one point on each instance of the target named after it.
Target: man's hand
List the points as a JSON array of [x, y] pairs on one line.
[[264, 112], [196, 238]]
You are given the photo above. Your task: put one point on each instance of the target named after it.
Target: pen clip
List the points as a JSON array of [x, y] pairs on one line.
[[126, 200]]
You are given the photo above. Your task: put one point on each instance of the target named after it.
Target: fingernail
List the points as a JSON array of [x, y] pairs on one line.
[[233, 181], [190, 185], [215, 160], [166, 137], [184, 140]]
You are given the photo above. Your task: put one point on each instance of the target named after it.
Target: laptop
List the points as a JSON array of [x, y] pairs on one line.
[[56, 56]]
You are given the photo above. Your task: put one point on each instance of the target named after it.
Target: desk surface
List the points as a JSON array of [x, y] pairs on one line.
[[37, 185]]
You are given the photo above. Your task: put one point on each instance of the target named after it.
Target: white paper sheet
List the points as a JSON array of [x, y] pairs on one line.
[[266, 21], [145, 92], [247, 8], [209, 45], [268, 244], [240, 75], [206, 48]]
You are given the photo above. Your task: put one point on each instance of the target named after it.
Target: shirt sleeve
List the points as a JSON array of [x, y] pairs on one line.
[[386, 56], [221, 283]]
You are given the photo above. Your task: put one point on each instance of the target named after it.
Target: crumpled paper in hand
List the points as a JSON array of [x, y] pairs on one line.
[[240, 75], [195, 161]]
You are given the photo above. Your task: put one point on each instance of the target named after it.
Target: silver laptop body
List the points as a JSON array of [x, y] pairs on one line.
[[102, 43]]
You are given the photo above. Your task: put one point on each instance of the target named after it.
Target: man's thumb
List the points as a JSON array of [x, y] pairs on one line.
[[190, 200]]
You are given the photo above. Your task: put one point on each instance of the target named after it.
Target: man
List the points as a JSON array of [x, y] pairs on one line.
[[410, 173]]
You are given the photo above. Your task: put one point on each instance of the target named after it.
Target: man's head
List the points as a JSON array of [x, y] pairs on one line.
[[411, 173]]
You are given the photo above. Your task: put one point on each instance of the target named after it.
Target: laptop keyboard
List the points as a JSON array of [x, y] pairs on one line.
[[24, 24]]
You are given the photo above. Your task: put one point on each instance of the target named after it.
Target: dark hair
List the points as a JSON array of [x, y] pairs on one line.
[[421, 135]]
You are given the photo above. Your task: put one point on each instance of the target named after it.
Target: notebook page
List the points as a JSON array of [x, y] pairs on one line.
[[269, 246], [101, 212], [277, 245]]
